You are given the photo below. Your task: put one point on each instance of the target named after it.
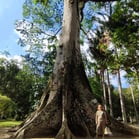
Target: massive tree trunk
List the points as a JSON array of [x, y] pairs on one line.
[[66, 109]]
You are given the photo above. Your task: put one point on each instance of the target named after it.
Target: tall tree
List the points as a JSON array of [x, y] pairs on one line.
[[134, 103], [104, 88], [117, 67], [67, 104], [122, 102], [109, 93]]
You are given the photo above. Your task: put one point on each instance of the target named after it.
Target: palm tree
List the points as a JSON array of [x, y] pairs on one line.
[[109, 93], [117, 67]]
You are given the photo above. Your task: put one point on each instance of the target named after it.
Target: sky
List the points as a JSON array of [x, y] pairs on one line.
[[114, 80], [10, 10]]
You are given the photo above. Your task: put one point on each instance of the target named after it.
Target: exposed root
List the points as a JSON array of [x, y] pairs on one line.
[[65, 133]]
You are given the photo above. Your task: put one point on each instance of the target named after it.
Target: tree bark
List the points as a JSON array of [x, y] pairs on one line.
[[121, 98], [109, 94], [137, 77], [104, 88], [134, 103]]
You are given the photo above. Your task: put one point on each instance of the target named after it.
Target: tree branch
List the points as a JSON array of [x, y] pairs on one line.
[[91, 40]]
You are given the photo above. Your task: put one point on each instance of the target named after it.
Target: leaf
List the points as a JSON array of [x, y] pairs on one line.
[[44, 2], [35, 1]]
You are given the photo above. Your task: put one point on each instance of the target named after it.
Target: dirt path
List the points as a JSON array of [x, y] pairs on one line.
[[4, 134]]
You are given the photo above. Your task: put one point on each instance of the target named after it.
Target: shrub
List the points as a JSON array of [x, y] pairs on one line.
[[7, 107]]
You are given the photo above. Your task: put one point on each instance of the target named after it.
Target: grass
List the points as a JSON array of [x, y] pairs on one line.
[[9, 123]]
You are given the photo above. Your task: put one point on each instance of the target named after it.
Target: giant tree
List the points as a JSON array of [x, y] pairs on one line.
[[67, 109]]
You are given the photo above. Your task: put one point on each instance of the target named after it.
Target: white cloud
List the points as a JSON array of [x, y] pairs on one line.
[[3, 56], [16, 58], [114, 80]]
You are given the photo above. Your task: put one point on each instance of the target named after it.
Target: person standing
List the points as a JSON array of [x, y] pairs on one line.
[[101, 121]]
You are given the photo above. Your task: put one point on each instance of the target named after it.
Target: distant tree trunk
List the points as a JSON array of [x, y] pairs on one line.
[[137, 76], [134, 103], [104, 88], [109, 93], [138, 85], [121, 97]]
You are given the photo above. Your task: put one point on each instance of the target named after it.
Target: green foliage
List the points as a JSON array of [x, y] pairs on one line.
[[124, 29], [41, 21], [45, 17], [44, 2], [96, 88], [129, 101], [18, 84], [7, 107], [124, 24], [27, 81], [94, 18], [116, 104], [9, 123]]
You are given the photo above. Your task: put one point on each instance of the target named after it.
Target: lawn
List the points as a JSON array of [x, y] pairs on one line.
[[9, 123]]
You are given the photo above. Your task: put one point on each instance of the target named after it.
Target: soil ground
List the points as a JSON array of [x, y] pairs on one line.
[[4, 134]]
